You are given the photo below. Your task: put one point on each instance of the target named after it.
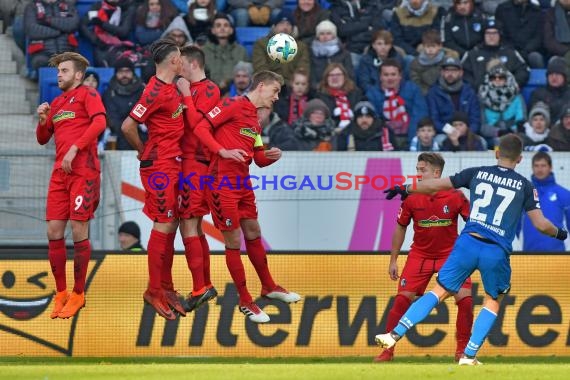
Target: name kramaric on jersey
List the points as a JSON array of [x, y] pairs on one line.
[[498, 180]]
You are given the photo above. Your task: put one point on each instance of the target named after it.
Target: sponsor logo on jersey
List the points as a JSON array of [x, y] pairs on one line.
[[445, 209], [139, 110], [249, 132], [214, 112], [178, 111], [62, 115], [434, 221]]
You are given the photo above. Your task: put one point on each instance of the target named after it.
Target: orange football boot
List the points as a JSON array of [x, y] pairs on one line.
[[74, 303], [59, 300]]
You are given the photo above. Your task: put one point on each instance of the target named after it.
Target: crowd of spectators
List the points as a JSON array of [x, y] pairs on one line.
[[368, 75]]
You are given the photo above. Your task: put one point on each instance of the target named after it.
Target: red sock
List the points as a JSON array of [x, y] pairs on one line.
[[464, 321], [156, 249], [235, 266], [193, 252], [399, 308], [80, 263], [57, 256], [258, 258], [206, 260], [168, 260]]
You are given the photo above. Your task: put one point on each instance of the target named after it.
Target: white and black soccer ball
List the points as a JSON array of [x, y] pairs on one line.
[[282, 48]]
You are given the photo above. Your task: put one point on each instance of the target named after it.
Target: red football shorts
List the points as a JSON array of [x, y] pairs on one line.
[[229, 206], [160, 181], [418, 272], [192, 198], [73, 196]]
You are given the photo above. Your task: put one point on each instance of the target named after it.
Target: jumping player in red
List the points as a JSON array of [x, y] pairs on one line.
[[435, 231], [76, 118], [235, 144], [205, 94], [160, 108]]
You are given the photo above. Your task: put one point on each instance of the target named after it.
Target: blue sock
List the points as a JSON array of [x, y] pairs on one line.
[[481, 328], [417, 312]]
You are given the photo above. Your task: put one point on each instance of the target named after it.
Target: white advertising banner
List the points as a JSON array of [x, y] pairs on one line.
[[311, 201]]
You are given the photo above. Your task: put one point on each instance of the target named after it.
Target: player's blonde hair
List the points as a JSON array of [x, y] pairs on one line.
[[434, 159], [266, 77], [510, 147], [80, 63]]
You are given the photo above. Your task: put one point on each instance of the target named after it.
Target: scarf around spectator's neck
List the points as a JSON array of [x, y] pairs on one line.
[[452, 88], [416, 12]]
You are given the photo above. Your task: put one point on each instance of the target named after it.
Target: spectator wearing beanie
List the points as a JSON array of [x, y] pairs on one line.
[[327, 48], [537, 128], [91, 79], [367, 132], [556, 93], [315, 130], [130, 236], [559, 136], [243, 71], [461, 138]]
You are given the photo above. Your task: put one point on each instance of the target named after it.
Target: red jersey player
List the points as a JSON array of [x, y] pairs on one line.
[[76, 118], [160, 108], [205, 94], [235, 144], [435, 231]]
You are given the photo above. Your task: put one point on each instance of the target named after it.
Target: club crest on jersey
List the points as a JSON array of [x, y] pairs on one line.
[[139, 110], [434, 221], [445, 209], [403, 282], [214, 112], [249, 132], [63, 115], [228, 222], [178, 111], [72, 99]]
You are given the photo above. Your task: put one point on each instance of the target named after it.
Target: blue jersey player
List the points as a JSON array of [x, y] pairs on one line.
[[498, 197]]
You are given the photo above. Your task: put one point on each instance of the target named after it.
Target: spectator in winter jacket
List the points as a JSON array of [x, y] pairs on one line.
[[426, 67], [367, 132], [315, 130], [255, 12], [327, 48], [537, 128], [152, 19], [222, 52], [109, 31], [521, 27], [261, 61], [199, 19], [275, 132], [559, 136], [339, 93], [556, 93], [91, 79], [243, 71], [50, 26], [554, 203], [12, 13], [503, 105], [119, 98], [411, 20], [461, 138], [556, 34], [307, 15], [424, 141], [381, 48], [400, 102], [178, 31], [475, 61], [356, 21], [451, 93], [294, 97], [462, 27]]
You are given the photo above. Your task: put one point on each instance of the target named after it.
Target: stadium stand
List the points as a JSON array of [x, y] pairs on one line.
[[247, 36], [536, 79]]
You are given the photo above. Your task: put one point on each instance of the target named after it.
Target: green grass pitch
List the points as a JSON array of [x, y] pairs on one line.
[[503, 368]]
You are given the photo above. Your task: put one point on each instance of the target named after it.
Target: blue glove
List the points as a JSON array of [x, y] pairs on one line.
[[561, 234], [398, 189]]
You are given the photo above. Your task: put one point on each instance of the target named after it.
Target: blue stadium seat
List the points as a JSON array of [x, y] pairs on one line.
[[247, 36], [83, 6], [537, 78], [324, 4], [290, 5], [48, 81]]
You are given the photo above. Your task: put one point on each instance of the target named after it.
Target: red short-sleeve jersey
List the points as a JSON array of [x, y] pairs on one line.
[[435, 221], [160, 108], [205, 95], [236, 126], [70, 115]]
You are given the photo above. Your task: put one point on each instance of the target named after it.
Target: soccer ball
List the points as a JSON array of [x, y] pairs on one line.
[[282, 48]]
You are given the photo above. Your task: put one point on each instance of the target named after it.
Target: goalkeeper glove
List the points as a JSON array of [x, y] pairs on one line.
[[398, 189]]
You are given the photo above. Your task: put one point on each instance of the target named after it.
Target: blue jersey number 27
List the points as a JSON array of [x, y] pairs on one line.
[[487, 191]]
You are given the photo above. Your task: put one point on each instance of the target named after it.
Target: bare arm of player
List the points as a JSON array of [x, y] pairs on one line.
[[429, 186], [541, 223], [265, 158], [43, 130], [397, 242], [204, 133], [131, 133]]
